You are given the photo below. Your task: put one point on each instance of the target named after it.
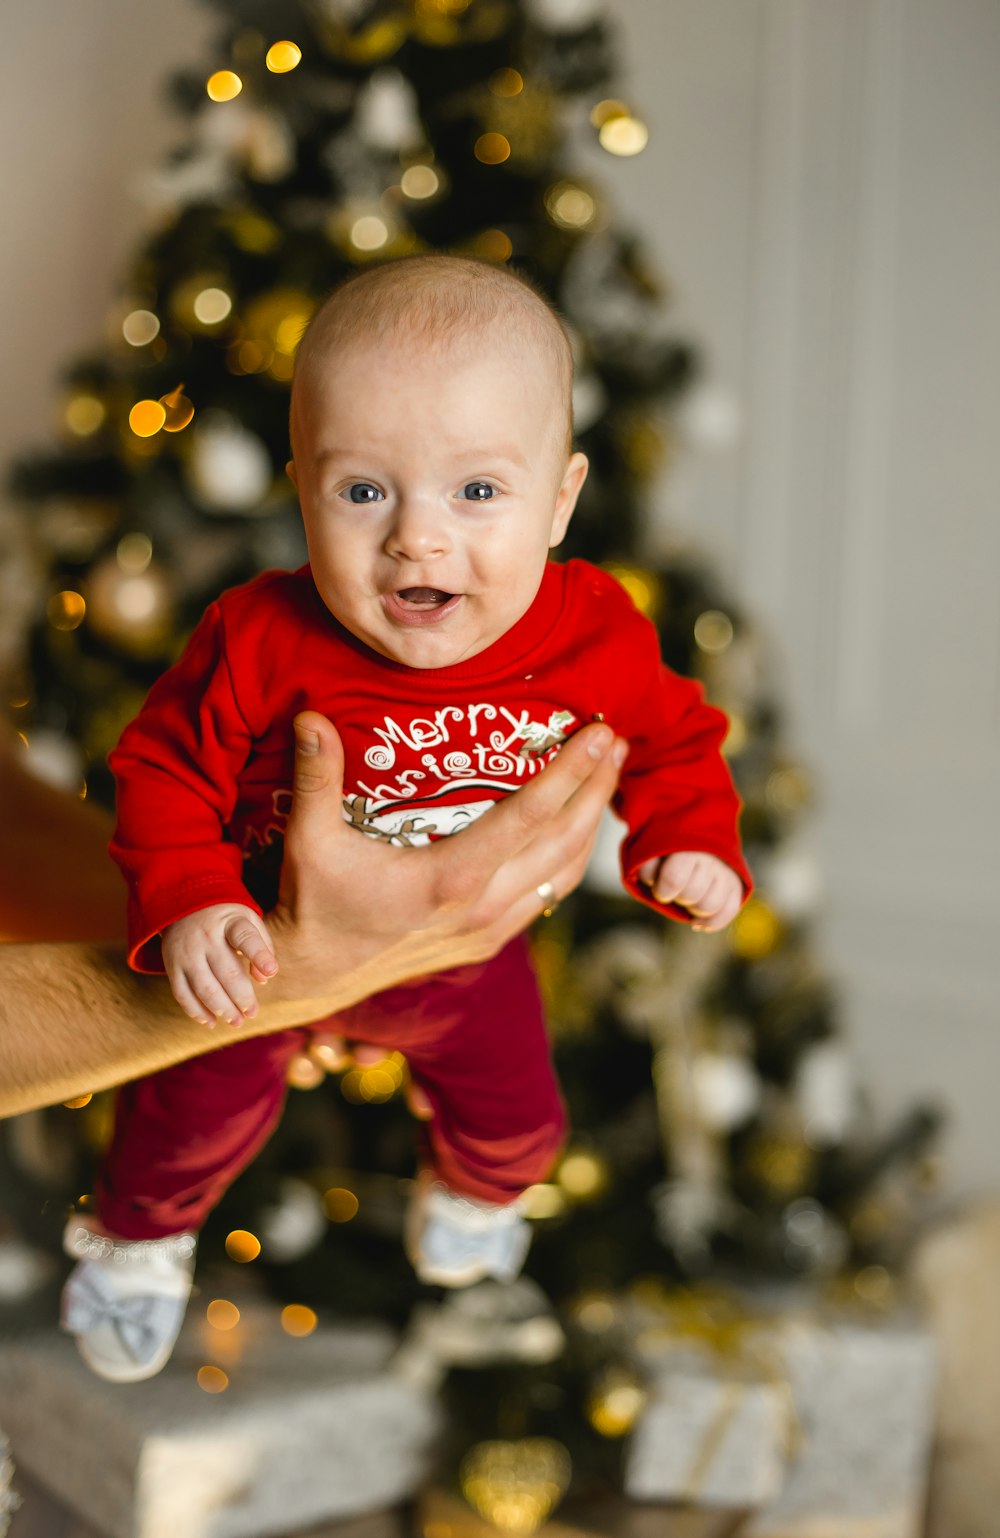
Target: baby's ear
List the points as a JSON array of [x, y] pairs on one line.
[[290, 472]]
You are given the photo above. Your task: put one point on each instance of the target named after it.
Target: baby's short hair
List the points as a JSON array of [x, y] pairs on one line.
[[436, 294]]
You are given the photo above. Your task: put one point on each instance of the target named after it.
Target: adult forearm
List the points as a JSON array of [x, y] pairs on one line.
[[73, 1018]]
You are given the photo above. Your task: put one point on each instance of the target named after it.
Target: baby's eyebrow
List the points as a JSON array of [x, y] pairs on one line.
[[491, 454]]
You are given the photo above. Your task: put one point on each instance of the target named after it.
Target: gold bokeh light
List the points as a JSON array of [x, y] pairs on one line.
[[298, 1320], [242, 1245], [283, 56], [492, 149], [84, 415], [224, 85], [146, 418], [66, 610]]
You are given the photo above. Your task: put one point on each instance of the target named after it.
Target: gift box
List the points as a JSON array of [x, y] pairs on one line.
[[826, 1410], [865, 1394], [720, 1423], [246, 1433]]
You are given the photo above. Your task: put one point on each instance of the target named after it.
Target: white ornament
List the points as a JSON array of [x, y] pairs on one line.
[[710, 418], [386, 116], [825, 1091], [566, 15], [792, 878], [230, 468], [603, 873], [294, 1225], [589, 400], [726, 1089], [55, 759]]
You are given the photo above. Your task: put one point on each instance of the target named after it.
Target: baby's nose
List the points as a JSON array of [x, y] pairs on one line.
[[418, 532]]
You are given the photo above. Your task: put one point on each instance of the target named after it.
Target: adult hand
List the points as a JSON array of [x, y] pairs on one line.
[[356, 915]]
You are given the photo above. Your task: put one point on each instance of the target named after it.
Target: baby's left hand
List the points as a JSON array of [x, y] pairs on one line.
[[702, 883]]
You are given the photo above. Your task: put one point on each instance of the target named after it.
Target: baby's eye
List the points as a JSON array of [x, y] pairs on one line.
[[363, 491], [479, 491]]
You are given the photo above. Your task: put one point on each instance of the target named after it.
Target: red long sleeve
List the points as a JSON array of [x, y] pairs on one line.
[[176, 768]]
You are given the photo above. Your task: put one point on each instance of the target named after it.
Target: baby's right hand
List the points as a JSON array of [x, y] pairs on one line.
[[204, 956]]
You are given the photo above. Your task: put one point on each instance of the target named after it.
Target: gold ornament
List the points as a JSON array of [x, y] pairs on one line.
[[644, 446], [615, 1402], [582, 1174], [131, 609], [372, 44], [781, 1164], [515, 1485], [643, 587], [755, 931], [250, 230]]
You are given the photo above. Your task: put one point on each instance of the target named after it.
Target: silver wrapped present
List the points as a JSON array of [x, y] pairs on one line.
[[303, 1431]]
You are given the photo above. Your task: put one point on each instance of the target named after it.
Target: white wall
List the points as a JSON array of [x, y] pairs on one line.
[[820, 188]]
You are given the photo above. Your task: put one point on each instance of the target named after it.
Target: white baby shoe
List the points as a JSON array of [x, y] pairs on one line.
[[454, 1240], [125, 1299]]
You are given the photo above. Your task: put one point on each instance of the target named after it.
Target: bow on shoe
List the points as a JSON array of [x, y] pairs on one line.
[[142, 1322]]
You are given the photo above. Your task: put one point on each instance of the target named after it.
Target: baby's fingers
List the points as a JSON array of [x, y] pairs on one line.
[[186, 998], [247, 936], [215, 998]]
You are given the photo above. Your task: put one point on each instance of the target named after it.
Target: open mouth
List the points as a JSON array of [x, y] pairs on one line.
[[420, 605], [423, 597]]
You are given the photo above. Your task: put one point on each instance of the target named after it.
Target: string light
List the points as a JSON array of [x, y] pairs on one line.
[[146, 418], [493, 246], [420, 181], [79, 1102], [603, 111], [213, 1380], [369, 233], [179, 410], [212, 305], [242, 1245], [492, 149], [222, 1315], [543, 1201], [224, 85], [66, 610], [339, 1204], [624, 136], [582, 1175], [506, 82], [298, 1320], [713, 631], [84, 415], [281, 57], [140, 327], [570, 206]]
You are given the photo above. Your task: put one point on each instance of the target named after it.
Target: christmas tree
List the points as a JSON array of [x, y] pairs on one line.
[[716, 1128]]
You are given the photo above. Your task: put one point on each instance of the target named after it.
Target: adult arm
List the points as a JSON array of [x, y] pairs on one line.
[[354, 916]]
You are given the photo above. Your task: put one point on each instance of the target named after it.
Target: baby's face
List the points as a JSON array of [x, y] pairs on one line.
[[433, 480]]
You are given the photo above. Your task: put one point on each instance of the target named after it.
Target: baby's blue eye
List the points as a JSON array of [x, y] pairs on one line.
[[480, 486], [358, 492]]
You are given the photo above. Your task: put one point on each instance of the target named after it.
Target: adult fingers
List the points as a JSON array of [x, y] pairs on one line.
[[318, 784], [517, 822]]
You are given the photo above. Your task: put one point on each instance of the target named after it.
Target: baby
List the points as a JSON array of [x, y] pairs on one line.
[[432, 449]]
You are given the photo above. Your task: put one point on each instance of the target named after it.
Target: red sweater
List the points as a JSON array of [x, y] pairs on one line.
[[204, 773]]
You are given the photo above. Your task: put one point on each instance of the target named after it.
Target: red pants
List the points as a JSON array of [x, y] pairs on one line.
[[475, 1041]]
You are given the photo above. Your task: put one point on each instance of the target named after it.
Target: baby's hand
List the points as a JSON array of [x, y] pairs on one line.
[[208, 956], [700, 882]]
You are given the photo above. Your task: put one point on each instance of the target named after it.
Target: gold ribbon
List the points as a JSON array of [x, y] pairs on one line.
[[720, 1324]]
